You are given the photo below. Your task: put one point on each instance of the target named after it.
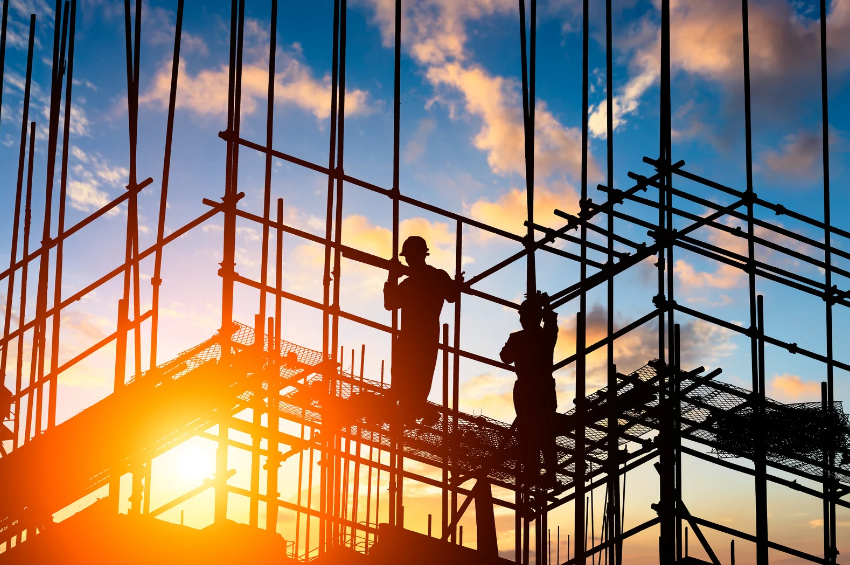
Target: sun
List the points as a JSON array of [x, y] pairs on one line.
[[196, 463]]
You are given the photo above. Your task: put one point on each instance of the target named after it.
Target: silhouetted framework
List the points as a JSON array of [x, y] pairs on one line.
[[344, 427]]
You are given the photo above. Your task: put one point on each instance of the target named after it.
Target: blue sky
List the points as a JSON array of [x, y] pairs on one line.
[[461, 149]]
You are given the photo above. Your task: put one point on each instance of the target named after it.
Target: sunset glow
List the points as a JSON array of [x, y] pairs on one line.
[[281, 280]]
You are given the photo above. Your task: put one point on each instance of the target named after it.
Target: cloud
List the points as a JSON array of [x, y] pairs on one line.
[[415, 148], [434, 31], [158, 28], [509, 211], [724, 277], [17, 33], [497, 103], [818, 523], [79, 330], [728, 277], [360, 233], [88, 84], [88, 177], [435, 34], [800, 157], [26, 7], [792, 387], [86, 196], [205, 92], [706, 41], [703, 343], [490, 393]]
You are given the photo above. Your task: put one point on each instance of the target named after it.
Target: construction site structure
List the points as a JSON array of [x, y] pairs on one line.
[[311, 405]]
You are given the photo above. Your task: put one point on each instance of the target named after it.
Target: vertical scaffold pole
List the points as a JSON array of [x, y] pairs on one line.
[[338, 173], [10, 291], [667, 543], [455, 388], [830, 531], [63, 181], [581, 330], [756, 339], [761, 456], [326, 476], [43, 272], [267, 187], [22, 313], [156, 280], [613, 510], [396, 463], [444, 499], [237, 23]]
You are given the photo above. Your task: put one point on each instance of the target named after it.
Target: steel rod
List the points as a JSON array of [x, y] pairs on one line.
[[156, 279], [22, 312], [57, 277], [10, 290]]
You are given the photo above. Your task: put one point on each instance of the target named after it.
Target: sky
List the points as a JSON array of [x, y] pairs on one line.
[[461, 148]]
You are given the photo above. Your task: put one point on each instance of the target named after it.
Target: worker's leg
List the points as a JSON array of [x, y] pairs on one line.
[[419, 378], [530, 431], [549, 412]]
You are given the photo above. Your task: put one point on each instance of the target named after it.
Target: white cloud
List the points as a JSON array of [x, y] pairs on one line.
[[88, 177]]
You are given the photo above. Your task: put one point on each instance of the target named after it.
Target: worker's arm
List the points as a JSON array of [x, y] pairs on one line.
[[550, 325], [392, 292], [391, 295], [452, 287], [508, 352]]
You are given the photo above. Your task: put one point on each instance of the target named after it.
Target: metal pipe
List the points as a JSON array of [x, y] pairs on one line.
[[237, 27], [43, 273], [267, 187], [156, 280], [22, 312], [326, 479], [57, 279], [395, 458], [830, 531], [10, 291], [444, 495]]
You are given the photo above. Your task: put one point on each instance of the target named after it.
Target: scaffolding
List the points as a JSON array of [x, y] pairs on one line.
[[656, 408]]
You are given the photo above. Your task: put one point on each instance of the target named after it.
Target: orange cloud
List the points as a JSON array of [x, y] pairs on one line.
[[799, 157], [491, 394], [726, 277], [793, 387], [358, 232], [508, 212], [702, 344], [205, 93], [435, 30], [706, 39], [435, 35]]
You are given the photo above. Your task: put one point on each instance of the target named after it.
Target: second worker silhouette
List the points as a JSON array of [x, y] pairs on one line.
[[420, 298], [531, 350]]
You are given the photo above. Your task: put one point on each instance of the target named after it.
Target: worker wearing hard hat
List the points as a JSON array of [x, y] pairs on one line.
[[531, 350], [420, 298]]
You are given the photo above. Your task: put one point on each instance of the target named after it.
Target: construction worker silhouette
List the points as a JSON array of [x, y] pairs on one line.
[[531, 350], [420, 298]]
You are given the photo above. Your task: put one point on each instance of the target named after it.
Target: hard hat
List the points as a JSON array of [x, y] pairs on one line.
[[535, 304], [414, 245]]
